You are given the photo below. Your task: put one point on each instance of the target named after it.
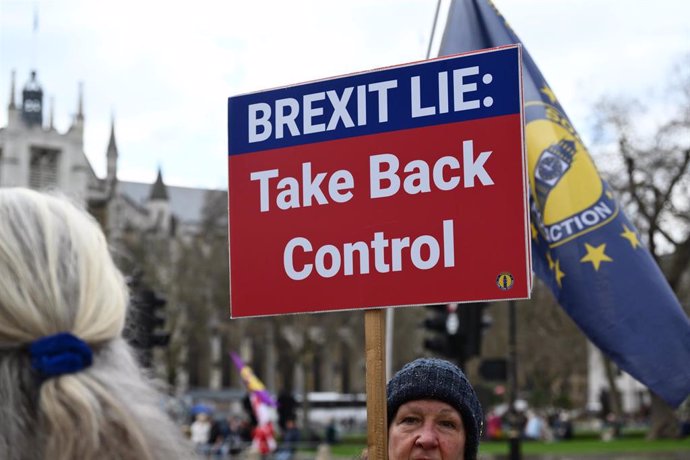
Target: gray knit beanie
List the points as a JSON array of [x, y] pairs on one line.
[[431, 378]]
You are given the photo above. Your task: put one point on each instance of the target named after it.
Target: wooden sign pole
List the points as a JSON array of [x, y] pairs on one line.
[[377, 424]]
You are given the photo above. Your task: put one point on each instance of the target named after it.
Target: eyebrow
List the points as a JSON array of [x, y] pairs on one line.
[[413, 408]]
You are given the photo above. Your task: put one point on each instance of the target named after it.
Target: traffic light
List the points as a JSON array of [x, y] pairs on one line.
[[456, 330], [495, 369], [443, 326], [473, 321], [152, 316], [145, 321]]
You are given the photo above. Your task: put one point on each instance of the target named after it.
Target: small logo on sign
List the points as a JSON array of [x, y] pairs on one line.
[[504, 281]]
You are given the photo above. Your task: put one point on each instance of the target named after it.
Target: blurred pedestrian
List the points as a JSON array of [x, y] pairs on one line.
[[201, 433], [332, 432], [233, 440], [494, 426], [219, 431], [286, 408], [611, 431], [246, 429], [535, 426], [433, 412], [226, 438], [290, 439], [563, 426], [70, 387]]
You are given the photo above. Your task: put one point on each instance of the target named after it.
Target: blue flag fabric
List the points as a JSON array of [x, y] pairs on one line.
[[583, 246]]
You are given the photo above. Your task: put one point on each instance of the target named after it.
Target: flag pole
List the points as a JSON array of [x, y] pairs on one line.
[[375, 344], [390, 320], [514, 433], [433, 29]]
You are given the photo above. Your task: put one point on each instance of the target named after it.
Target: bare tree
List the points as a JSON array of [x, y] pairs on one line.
[[202, 280], [648, 163], [551, 350], [149, 256]]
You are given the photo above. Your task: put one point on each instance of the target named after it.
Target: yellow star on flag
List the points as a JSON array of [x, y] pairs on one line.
[[630, 236], [535, 232], [559, 274], [596, 255], [548, 257], [549, 93]]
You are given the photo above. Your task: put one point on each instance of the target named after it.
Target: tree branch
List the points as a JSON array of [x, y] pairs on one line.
[[675, 179], [680, 262]]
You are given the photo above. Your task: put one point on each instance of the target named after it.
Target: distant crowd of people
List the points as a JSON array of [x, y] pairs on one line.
[[530, 425], [227, 437], [219, 438]]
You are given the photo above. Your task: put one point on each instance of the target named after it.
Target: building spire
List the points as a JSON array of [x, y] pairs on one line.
[[77, 128], [159, 191], [13, 104], [80, 102], [112, 144], [51, 119], [111, 159]]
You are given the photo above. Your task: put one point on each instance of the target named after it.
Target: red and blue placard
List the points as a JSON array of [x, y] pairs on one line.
[[400, 186]]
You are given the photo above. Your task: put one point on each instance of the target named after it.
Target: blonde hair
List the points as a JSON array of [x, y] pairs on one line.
[[56, 275]]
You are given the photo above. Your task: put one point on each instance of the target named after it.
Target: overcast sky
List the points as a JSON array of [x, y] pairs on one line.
[[166, 68]]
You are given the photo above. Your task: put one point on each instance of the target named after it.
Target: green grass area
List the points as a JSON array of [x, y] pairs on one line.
[[590, 446], [574, 446], [347, 450]]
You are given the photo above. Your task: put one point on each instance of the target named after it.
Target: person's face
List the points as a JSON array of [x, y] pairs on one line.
[[426, 430]]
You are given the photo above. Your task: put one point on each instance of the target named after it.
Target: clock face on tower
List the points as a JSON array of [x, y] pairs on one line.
[[32, 112], [32, 102], [32, 105]]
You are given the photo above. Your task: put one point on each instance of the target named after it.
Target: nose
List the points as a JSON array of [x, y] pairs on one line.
[[427, 438]]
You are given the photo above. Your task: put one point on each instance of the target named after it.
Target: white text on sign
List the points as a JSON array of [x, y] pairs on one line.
[[388, 255], [307, 115], [384, 180]]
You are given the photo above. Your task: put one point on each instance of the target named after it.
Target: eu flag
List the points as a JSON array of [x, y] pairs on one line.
[[583, 246]]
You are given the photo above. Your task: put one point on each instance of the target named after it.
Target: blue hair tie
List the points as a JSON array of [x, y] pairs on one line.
[[59, 354]]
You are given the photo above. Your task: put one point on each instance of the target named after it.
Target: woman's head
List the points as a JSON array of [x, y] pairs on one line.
[[427, 428], [56, 274], [68, 381], [431, 398]]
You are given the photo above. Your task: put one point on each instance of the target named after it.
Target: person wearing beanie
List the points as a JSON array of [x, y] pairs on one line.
[[433, 412]]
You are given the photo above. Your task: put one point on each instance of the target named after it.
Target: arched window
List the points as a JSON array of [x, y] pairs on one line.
[[43, 169]]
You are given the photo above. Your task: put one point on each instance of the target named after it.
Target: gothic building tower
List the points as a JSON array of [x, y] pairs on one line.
[[37, 156], [111, 162], [160, 219], [32, 102]]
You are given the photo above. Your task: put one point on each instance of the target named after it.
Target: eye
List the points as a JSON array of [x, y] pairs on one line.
[[448, 424], [408, 420]]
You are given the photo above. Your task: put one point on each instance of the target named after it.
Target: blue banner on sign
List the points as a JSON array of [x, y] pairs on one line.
[[460, 88]]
